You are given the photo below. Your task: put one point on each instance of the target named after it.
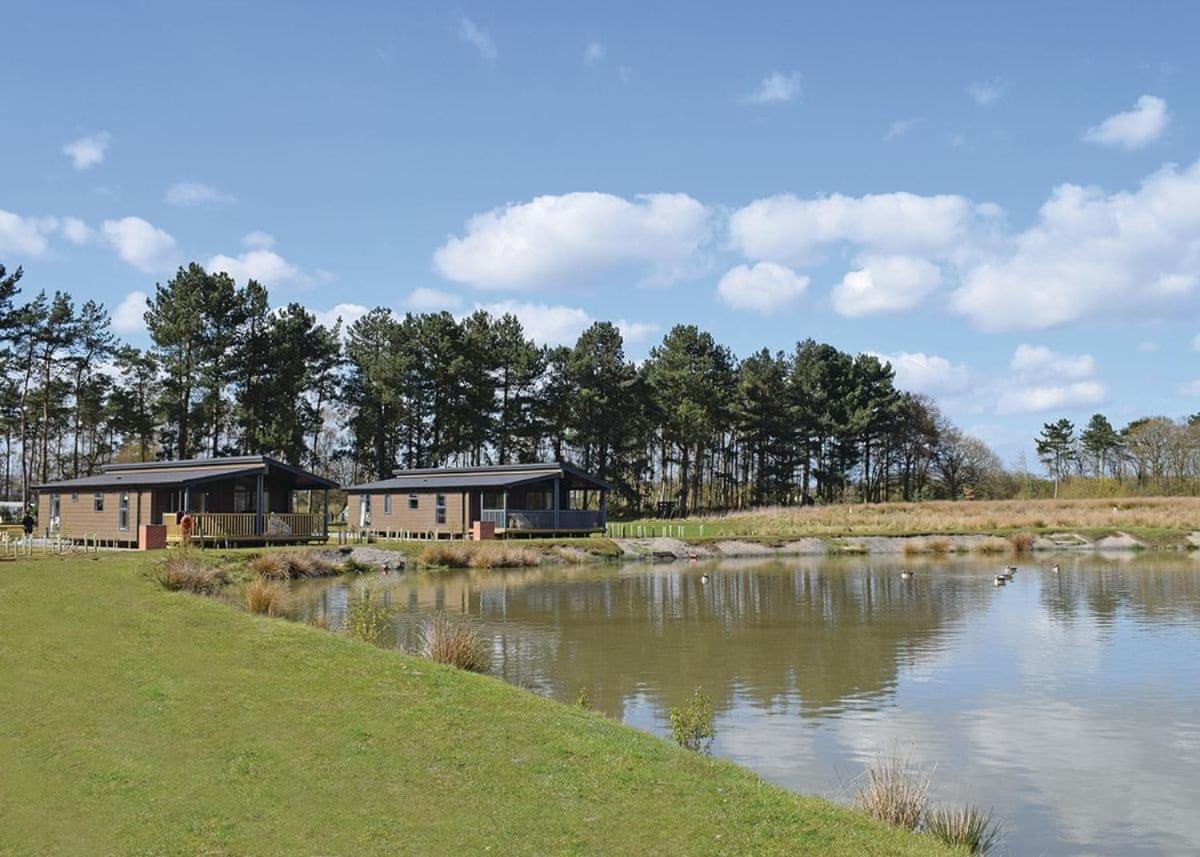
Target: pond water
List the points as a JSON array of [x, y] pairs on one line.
[[1069, 703]]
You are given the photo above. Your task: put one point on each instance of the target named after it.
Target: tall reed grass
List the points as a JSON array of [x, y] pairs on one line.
[[968, 828], [186, 571], [268, 597], [290, 565], [894, 790], [456, 642], [460, 554]]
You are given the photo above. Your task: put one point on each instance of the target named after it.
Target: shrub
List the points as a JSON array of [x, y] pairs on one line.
[[270, 566], [893, 791], [290, 565], [184, 571], [968, 828], [445, 554], [939, 546], [1022, 543], [268, 597], [692, 723], [367, 620], [455, 642]]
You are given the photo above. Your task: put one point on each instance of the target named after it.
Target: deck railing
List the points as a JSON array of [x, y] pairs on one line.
[[235, 526], [544, 519]]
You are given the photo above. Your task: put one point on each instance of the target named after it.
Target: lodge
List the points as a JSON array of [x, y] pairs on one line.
[[248, 499], [481, 502]]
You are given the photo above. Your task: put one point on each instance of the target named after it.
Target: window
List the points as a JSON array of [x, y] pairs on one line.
[[98, 502], [412, 501], [364, 510], [123, 511], [74, 496], [387, 504], [492, 500], [539, 499], [441, 508], [55, 504]]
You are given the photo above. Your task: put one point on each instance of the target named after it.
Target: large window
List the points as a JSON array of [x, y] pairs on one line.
[[123, 511], [387, 504], [441, 508], [539, 499], [98, 502], [412, 501], [493, 500], [364, 510], [55, 505]]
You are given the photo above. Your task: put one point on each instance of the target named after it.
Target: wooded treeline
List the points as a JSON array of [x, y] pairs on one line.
[[691, 425]]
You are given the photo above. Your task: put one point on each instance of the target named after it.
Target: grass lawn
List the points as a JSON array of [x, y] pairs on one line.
[[137, 721]]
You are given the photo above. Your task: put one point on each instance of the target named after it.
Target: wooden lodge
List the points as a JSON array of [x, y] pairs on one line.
[[249, 499], [480, 502]]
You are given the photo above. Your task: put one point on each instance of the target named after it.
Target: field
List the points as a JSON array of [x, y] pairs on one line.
[[138, 721], [1157, 521]]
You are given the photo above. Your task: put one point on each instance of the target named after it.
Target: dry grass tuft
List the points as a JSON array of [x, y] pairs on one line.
[[939, 546], [1022, 543], [269, 565], [268, 597], [992, 545], [478, 555], [894, 791], [290, 565], [456, 642], [450, 554], [968, 828], [184, 571], [912, 547]]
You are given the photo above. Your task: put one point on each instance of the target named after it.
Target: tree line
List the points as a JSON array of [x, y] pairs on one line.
[[690, 428]]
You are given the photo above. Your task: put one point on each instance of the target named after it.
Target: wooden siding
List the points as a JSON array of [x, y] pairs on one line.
[[77, 517], [423, 519]]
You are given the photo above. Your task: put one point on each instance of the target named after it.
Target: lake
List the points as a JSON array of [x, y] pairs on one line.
[[1069, 703]]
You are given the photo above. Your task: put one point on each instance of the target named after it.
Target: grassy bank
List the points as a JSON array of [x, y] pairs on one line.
[[138, 721], [1159, 521]]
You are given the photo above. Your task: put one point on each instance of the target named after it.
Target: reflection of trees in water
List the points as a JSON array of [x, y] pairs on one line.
[[824, 635], [1100, 589]]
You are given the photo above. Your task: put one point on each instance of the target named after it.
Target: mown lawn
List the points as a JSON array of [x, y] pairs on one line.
[[137, 721]]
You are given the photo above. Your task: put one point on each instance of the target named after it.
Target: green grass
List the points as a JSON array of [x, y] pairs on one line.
[[139, 721]]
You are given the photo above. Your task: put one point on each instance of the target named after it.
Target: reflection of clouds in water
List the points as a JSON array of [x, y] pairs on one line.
[[1104, 779]]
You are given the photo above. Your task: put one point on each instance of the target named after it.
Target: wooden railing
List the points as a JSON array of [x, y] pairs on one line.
[[544, 519], [236, 526]]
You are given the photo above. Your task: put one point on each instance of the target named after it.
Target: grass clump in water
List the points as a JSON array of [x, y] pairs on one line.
[[968, 828], [290, 565], [1022, 543], [894, 791], [992, 545], [367, 620], [187, 572], [267, 597], [455, 642], [692, 723]]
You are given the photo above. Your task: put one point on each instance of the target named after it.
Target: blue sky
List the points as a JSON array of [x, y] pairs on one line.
[[1004, 201]]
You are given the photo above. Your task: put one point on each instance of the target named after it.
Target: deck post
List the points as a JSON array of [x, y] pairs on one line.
[[325, 515], [557, 481], [258, 505], [504, 517], [187, 498]]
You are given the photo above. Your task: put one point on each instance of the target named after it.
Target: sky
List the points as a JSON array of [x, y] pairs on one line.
[[1003, 201]]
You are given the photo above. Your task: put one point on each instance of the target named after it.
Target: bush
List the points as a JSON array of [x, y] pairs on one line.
[[268, 597], [692, 723], [893, 791], [1022, 543], [290, 565], [184, 571], [968, 828], [939, 546], [367, 620], [455, 642], [270, 565]]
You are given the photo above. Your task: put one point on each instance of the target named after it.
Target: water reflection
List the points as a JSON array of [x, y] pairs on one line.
[[1070, 702]]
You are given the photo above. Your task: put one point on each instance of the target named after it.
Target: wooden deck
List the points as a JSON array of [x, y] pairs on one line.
[[247, 528]]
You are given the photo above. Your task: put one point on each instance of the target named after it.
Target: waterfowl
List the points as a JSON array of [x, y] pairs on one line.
[[906, 575], [1000, 580], [704, 578], [1054, 568]]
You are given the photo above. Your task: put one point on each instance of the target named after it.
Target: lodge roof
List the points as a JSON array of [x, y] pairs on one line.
[[184, 472], [484, 476]]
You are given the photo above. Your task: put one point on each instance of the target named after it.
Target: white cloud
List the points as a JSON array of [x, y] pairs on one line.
[[1026, 400], [986, 91], [1092, 254], [1148, 347], [1137, 127], [88, 151], [1046, 380], [1191, 388], [543, 323], [472, 35], [348, 313], [76, 231], [1038, 361], [776, 88], [927, 373], [899, 128], [565, 239], [129, 316], [885, 284], [265, 266], [258, 240], [594, 52], [28, 236], [766, 287], [636, 332], [141, 244], [425, 299], [195, 193], [788, 228]]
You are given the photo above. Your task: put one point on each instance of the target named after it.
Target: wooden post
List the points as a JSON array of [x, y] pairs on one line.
[[325, 515], [258, 505], [504, 517], [557, 480]]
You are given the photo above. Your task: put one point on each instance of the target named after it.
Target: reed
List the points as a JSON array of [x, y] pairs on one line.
[[267, 597], [894, 791], [367, 620], [1022, 543], [185, 571], [456, 642], [968, 828]]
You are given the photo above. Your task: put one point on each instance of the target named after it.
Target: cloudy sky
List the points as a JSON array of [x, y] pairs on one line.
[[1005, 203]]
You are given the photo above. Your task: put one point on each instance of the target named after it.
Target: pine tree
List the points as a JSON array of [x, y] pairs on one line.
[[1056, 449]]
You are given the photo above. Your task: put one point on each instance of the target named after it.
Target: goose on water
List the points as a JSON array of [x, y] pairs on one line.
[[1054, 568], [906, 574], [999, 580], [704, 578]]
